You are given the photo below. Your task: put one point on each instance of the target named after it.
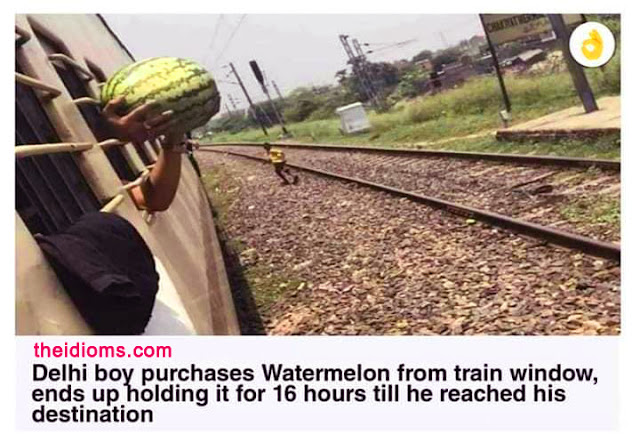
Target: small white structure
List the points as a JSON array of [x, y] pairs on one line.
[[353, 118]]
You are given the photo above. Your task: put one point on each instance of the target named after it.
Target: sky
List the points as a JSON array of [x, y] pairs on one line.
[[294, 50]]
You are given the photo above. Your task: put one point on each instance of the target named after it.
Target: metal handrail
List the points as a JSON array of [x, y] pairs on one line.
[[111, 143], [24, 36], [137, 182], [86, 101], [148, 216], [37, 84], [50, 148], [113, 204], [64, 58]]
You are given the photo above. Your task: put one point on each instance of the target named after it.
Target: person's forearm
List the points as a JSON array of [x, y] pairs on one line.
[[162, 185]]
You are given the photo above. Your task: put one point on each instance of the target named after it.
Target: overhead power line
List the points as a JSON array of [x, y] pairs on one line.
[[209, 49], [228, 42], [390, 46]]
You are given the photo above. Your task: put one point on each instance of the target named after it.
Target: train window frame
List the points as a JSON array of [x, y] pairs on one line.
[[143, 149], [51, 191], [77, 87], [97, 72]]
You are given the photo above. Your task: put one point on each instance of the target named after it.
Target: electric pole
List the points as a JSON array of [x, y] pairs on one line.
[[232, 101], [275, 87], [261, 80], [246, 94], [357, 71], [365, 69], [580, 81]]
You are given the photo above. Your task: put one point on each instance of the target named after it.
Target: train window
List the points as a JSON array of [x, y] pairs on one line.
[[77, 88], [96, 71], [102, 78], [51, 192], [140, 149]]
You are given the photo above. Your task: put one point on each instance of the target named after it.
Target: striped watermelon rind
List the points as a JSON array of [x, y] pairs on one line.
[[176, 84]]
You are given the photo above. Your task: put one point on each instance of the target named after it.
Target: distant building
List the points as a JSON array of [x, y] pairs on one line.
[[525, 59], [454, 74]]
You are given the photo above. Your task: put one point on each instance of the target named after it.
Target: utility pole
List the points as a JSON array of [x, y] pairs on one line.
[[232, 101], [246, 94], [362, 59], [275, 87], [577, 72], [356, 69], [260, 77]]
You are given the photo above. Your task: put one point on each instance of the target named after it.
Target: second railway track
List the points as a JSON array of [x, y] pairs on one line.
[[529, 198]]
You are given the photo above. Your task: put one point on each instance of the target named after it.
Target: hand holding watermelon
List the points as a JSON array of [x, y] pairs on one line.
[[142, 123], [160, 95]]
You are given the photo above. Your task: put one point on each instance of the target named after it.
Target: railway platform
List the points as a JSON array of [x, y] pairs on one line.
[[569, 123]]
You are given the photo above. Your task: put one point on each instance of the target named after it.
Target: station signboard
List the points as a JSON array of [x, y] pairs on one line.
[[503, 28]]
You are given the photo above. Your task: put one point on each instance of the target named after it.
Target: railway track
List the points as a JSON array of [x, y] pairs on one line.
[[572, 162], [336, 257], [511, 192]]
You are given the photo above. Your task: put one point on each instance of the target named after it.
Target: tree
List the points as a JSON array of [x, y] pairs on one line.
[[445, 57], [413, 83], [384, 76], [422, 55]]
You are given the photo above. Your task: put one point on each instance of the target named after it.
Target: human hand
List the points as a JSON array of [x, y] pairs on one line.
[[140, 124]]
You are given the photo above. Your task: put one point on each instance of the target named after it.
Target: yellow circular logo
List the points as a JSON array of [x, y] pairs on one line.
[[592, 44]]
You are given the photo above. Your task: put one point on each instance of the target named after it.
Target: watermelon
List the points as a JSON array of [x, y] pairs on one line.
[[176, 84]]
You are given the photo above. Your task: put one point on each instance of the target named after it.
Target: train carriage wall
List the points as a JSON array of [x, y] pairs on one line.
[[183, 238]]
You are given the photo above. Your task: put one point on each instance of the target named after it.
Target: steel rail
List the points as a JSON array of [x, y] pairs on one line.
[[587, 245], [574, 162]]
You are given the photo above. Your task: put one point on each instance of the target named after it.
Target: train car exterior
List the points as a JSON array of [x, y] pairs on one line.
[[65, 166]]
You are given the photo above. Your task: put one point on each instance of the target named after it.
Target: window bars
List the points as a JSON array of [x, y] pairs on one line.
[[23, 36], [50, 148], [37, 84], [26, 151], [29, 150], [86, 101], [53, 148], [74, 64]]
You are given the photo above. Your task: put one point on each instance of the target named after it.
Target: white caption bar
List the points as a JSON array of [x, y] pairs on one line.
[[360, 383]]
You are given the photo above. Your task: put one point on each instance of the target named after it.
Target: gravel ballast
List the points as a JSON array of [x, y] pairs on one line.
[[325, 257]]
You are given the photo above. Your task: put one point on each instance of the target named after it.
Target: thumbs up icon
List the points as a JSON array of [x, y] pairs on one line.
[[592, 47]]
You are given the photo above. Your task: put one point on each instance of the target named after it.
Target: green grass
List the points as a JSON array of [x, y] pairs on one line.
[[217, 182], [268, 286], [594, 210]]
